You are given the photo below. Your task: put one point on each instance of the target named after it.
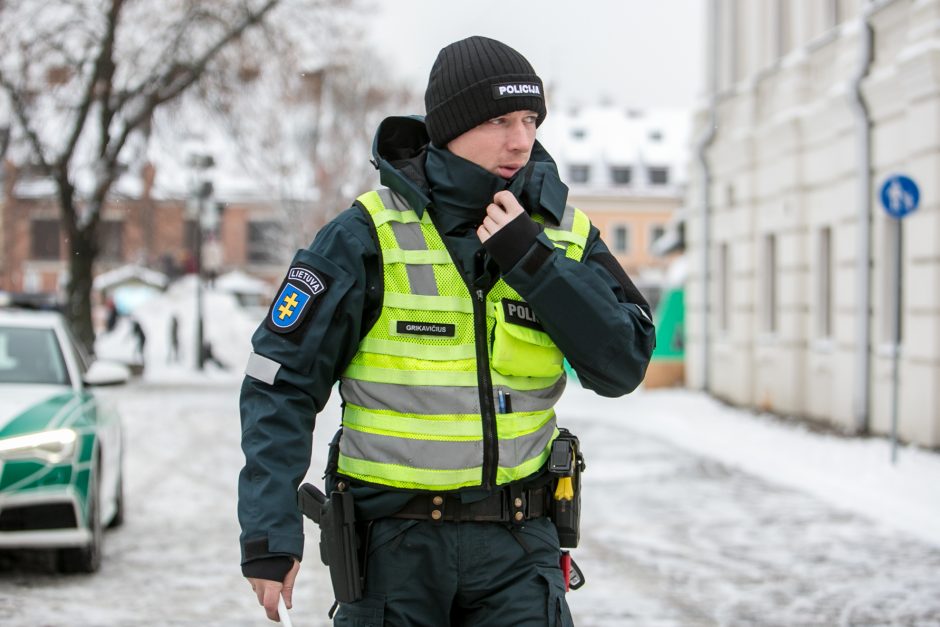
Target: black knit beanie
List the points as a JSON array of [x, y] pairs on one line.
[[474, 80]]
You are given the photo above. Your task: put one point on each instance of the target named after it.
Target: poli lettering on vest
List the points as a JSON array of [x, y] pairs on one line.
[[518, 312], [293, 302]]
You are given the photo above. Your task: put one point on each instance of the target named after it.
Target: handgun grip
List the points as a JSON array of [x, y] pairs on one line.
[[311, 501]]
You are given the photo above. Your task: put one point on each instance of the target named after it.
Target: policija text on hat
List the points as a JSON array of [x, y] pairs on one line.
[[444, 303]]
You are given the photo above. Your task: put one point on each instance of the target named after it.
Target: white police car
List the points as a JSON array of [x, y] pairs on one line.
[[60, 447]]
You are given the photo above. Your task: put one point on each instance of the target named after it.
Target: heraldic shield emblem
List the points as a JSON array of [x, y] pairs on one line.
[[289, 307], [294, 300]]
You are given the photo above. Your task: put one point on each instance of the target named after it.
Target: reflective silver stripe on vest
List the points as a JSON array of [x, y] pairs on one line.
[[261, 368], [411, 399], [391, 200], [421, 277], [441, 455], [431, 454], [567, 219], [518, 450], [410, 237]]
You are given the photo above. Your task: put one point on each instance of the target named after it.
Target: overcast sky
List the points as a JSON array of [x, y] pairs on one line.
[[638, 53]]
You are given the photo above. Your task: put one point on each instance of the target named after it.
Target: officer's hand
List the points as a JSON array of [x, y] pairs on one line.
[[499, 213], [268, 591]]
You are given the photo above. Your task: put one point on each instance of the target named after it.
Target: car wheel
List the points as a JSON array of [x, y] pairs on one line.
[[87, 559], [118, 518]]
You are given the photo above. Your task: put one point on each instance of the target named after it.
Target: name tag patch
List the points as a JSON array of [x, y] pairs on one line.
[[518, 312], [426, 328], [295, 300]]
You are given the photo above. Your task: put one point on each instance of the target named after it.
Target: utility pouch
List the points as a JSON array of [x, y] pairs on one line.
[[338, 543], [522, 351], [566, 462]]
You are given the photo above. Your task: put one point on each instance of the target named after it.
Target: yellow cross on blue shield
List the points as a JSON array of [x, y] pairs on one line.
[[287, 309]]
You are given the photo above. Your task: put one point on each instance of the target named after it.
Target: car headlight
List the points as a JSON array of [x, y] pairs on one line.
[[52, 447]]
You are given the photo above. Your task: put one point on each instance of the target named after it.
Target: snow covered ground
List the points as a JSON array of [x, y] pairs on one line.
[[694, 513]]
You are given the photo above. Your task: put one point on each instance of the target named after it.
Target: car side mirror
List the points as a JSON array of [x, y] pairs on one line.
[[107, 373]]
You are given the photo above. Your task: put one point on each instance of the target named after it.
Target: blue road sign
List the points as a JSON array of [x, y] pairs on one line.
[[899, 195]]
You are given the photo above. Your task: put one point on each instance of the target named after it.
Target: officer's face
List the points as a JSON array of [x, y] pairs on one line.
[[501, 145]]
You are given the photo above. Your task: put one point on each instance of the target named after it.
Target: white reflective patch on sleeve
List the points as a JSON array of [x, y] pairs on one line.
[[640, 309], [261, 368]]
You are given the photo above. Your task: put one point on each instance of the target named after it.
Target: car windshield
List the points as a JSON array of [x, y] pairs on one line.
[[31, 356]]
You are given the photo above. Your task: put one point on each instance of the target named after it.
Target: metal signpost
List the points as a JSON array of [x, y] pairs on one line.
[[900, 197], [201, 195]]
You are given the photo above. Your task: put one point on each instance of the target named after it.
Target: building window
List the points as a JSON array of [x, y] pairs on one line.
[[579, 173], [111, 240], [656, 136], [263, 242], [769, 284], [656, 231], [824, 284], [621, 239], [659, 176], [44, 240], [724, 287], [621, 175], [578, 133]]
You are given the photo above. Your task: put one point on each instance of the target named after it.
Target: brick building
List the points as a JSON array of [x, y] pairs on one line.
[[154, 232]]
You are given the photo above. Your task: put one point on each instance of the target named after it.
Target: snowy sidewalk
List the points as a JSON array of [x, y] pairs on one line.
[[699, 514], [851, 473]]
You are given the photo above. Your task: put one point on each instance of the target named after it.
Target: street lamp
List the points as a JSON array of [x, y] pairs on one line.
[[199, 209]]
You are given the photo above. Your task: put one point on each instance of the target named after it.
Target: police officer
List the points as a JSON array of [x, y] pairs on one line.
[[444, 303]]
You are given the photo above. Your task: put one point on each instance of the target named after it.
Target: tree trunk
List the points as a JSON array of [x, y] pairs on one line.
[[82, 252]]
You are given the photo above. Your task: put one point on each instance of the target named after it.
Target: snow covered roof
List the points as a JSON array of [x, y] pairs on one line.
[[129, 273], [608, 137], [238, 282]]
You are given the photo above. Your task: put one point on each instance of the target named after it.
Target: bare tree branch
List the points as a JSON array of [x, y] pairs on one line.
[[179, 78], [103, 65], [20, 109], [85, 80]]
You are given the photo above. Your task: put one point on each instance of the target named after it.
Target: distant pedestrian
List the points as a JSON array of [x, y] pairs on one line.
[[140, 339], [173, 354], [112, 315]]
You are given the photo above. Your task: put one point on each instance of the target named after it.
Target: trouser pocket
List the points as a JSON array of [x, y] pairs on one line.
[[369, 611], [556, 606]]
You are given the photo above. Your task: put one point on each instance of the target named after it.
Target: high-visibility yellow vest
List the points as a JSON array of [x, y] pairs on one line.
[[425, 396]]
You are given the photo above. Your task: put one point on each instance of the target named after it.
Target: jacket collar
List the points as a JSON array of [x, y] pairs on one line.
[[400, 152]]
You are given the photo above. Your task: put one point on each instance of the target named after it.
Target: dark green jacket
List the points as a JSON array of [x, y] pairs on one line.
[[592, 311]]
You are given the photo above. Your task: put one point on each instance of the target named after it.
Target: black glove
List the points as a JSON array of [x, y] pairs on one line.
[[510, 243]]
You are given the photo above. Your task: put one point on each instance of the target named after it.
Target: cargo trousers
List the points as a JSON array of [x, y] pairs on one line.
[[463, 574]]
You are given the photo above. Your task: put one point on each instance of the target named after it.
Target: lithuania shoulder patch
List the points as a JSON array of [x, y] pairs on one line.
[[296, 299]]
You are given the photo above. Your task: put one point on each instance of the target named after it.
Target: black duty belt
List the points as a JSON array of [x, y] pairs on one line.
[[508, 505]]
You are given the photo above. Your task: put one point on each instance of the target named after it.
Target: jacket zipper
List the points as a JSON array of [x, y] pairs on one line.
[[487, 408]]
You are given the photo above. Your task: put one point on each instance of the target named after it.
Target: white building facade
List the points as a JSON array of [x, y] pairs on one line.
[[811, 106]]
